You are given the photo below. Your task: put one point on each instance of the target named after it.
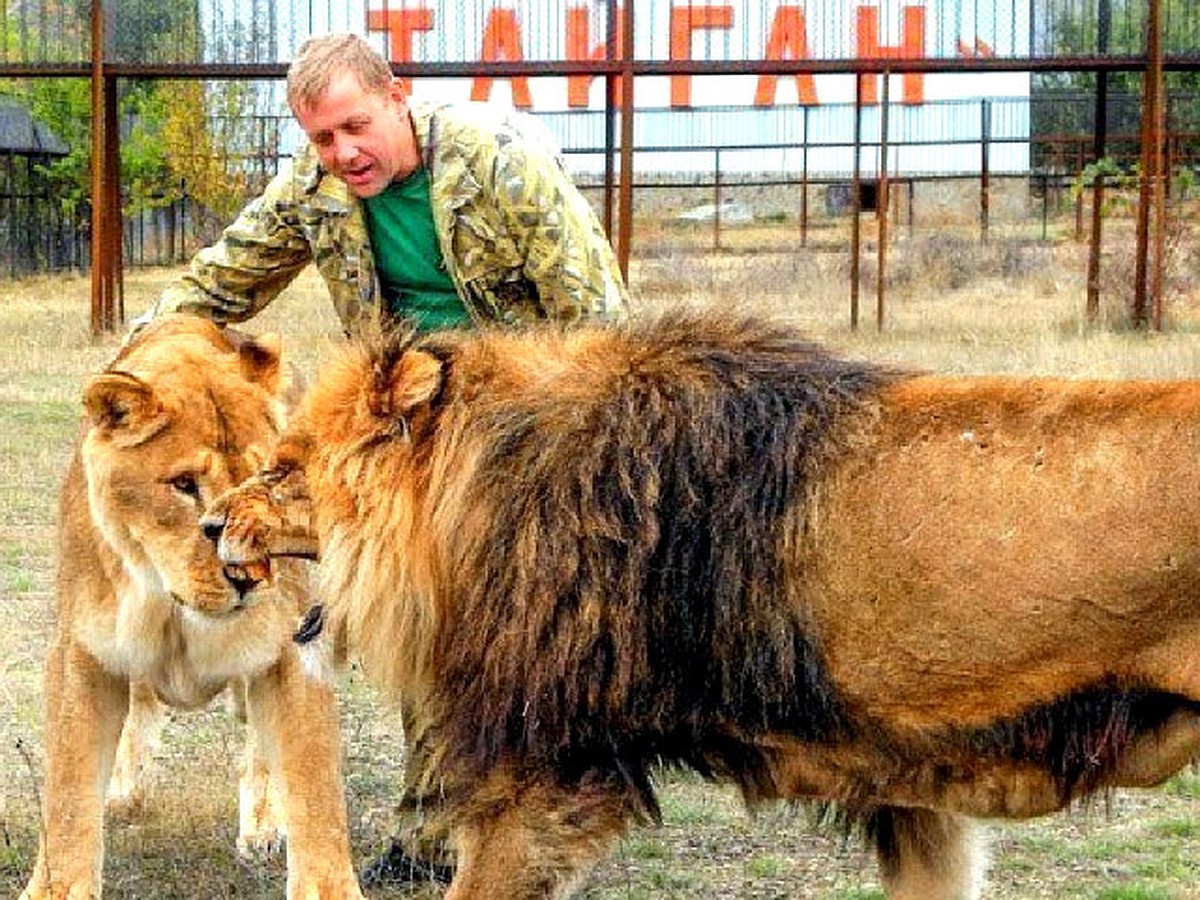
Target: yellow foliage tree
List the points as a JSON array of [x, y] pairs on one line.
[[201, 148]]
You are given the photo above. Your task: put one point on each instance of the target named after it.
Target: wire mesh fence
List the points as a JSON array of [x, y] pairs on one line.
[[759, 127], [437, 31]]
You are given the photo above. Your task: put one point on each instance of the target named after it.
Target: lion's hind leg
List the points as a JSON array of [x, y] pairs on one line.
[[927, 855], [536, 842]]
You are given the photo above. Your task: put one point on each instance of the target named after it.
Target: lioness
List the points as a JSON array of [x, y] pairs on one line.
[[702, 540], [183, 413]]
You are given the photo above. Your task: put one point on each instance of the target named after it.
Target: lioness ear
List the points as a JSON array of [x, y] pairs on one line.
[[124, 407], [259, 361]]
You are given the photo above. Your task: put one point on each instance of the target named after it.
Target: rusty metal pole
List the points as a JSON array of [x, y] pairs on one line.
[[855, 201], [625, 217], [804, 176], [718, 197], [610, 119], [113, 235], [1099, 150], [102, 287], [1149, 159], [1161, 174], [985, 169], [107, 308], [881, 206]]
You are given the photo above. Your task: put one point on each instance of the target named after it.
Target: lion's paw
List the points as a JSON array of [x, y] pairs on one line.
[[262, 821], [60, 892]]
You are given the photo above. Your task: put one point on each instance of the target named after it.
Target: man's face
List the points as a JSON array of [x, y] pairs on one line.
[[365, 139]]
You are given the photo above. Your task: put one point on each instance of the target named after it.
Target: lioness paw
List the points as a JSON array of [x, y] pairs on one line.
[[125, 802], [345, 888], [261, 843], [262, 831], [60, 892]]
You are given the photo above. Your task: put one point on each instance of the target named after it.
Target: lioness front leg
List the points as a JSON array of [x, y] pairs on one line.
[[294, 722], [262, 817], [130, 783], [85, 708]]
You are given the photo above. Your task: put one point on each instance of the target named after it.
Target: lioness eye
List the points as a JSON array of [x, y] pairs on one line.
[[187, 485]]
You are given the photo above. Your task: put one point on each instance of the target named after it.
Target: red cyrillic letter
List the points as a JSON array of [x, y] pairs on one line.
[[502, 41], [684, 21], [578, 48], [400, 25], [788, 40], [912, 47]]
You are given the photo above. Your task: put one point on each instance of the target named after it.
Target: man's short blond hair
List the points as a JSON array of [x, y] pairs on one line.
[[320, 58]]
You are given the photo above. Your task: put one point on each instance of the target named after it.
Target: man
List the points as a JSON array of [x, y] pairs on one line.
[[445, 215], [448, 215]]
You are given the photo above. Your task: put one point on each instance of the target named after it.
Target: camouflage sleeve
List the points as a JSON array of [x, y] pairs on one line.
[[256, 257], [568, 257]]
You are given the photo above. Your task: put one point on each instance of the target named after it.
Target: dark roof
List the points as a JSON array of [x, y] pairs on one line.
[[21, 133]]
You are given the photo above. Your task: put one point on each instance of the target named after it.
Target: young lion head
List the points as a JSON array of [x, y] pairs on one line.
[[171, 425], [271, 514]]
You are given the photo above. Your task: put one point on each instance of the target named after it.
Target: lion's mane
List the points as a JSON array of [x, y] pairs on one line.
[[609, 532]]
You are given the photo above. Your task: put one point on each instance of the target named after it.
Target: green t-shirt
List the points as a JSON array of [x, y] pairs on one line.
[[407, 257]]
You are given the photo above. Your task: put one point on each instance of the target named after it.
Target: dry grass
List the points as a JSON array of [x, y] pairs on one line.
[[1020, 312]]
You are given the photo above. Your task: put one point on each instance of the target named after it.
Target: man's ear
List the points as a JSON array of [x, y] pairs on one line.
[[124, 408], [396, 91]]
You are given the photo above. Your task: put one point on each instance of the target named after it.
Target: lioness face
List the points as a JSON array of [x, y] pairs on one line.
[[153, 462]]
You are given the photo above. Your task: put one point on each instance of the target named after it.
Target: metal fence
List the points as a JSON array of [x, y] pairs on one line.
[[981, 114], [444, 33], [797, 173]]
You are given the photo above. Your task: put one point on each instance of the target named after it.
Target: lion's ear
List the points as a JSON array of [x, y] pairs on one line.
[[416, 380], [124, 407], [259, 361]]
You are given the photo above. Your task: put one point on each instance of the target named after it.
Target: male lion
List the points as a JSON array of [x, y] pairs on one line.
[[701, 540], [184, 412]]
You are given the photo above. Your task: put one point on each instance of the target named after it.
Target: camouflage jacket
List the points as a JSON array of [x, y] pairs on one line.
[[519, 241]]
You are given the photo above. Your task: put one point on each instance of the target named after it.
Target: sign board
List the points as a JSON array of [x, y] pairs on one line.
[[936, 121]]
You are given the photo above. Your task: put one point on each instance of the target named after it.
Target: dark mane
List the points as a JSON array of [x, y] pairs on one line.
[[631, 560], [1079, 739]]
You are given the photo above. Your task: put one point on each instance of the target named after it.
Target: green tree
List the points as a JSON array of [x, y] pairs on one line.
[[1064, 103], [154, 31]]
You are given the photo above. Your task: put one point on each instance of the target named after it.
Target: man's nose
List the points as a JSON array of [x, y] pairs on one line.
[[345, 148]]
